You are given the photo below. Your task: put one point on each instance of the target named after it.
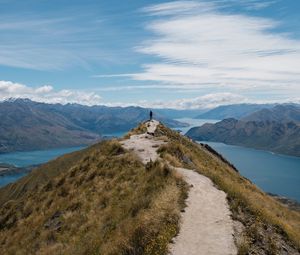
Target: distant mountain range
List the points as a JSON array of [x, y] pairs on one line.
[[29, 125], [236, 111], [279, 113], [276, 129]]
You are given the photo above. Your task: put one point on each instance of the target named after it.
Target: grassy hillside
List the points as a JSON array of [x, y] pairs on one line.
[[42, 174], [107, 203], [103, 200], [268, 227]]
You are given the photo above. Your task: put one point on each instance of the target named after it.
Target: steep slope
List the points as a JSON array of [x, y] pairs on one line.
[[203, 222], [28, 125], [104, 200], [107, 203], [275, 129], [24, 126], [263, 226], [236, 111], [279, 113]]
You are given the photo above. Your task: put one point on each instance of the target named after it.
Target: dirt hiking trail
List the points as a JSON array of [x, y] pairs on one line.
[[206, 226]]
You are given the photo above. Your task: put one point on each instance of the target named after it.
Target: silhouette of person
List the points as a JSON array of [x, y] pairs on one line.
[[151, 115]]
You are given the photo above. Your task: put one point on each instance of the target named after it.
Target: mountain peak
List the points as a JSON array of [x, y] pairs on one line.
[[18, 100]]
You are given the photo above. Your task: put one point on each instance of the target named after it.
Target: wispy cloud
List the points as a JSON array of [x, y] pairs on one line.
[[202, 102], [50, 43], [207, 101], [212, 47], [47, 93], [178, 7]]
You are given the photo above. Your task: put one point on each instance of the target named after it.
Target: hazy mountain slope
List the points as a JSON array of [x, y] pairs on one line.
[[102, 119], [103, 200], [236, 111], [107, 203], [281, 137], [28, 125], [24, 126], [279, 113]]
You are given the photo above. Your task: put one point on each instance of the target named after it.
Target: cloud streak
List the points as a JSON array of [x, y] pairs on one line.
[[198, 42]]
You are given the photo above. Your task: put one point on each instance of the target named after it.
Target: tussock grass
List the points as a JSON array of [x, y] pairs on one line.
[[106, 203], [103, 200], [42, 175], [268, 224], [140, 129]]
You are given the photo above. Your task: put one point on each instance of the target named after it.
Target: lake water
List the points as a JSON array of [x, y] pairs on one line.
[[10, 178], [193, 123], [274, 173], [27, 158], [22, 159]]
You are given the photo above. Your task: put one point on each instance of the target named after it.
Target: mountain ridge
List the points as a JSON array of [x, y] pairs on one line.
[[276, 129], [236, 111], [28, 125]]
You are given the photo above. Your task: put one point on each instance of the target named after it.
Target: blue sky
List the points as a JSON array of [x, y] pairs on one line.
[[179, 54]]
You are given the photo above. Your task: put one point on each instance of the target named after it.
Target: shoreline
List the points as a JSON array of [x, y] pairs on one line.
[[288, 202], [9, 169]]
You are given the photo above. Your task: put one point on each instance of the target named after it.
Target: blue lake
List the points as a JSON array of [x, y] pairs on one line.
[[22, 159], [274, 173], [10, 178], [28, 158], [193, 123]]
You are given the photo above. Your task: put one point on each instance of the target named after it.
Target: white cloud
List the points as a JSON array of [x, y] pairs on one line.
[[47, 94], [207, 101], [218, 49], [177, 7], [202, 102]]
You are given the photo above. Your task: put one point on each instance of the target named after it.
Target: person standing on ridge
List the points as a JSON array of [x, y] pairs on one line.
[[151, 115]]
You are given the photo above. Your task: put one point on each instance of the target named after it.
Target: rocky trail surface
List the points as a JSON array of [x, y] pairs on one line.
[[206, 226]]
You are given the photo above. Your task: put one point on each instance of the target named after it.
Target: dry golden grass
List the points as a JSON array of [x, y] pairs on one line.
[[248, 203], [107, 203], [103, 200], [140, 129]]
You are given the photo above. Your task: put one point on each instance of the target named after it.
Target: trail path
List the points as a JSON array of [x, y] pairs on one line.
[[206, 226], [144, 145]]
